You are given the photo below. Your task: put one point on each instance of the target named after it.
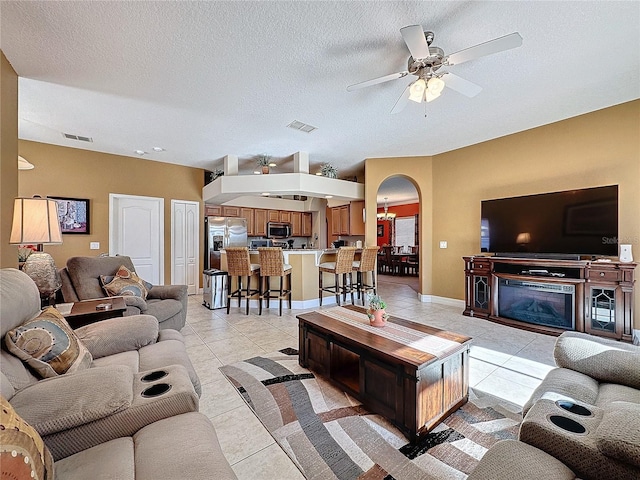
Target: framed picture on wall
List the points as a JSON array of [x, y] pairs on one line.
[[73, 215], [381, 230]]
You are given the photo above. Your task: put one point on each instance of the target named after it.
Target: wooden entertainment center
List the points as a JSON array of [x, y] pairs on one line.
[[552, 296]]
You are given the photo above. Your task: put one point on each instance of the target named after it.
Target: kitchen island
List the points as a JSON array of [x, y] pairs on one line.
[[304, 275]]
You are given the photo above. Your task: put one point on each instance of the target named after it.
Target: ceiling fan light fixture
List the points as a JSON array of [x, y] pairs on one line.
[[430, 97], [435, 85], [416, 91]]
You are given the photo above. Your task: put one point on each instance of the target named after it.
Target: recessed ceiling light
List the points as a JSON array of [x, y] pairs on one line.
[[158, 149], [318, 173], [257, 172], [272, 164], [328, 196], [265, 194], [140, 152]]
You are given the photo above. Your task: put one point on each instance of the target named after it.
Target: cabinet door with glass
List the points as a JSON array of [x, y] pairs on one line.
[[478, 285], [603, 310]]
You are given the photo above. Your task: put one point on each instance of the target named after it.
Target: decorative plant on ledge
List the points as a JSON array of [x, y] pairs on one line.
[[218, 172], [329, 171], [377, 316], [263, 161]]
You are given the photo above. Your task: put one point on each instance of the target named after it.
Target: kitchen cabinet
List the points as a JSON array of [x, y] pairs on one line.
[[356, 220], [247, 213], [260, 222], [213, 211], [273, 215], [307, 228], [347, 219], [285, 217], [228, 211], [296, 224]]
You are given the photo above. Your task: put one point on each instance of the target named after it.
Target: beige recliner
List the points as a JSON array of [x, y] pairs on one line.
[[81, 281], [121, 392]]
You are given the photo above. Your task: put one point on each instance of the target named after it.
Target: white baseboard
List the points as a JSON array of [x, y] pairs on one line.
[[452, 302]]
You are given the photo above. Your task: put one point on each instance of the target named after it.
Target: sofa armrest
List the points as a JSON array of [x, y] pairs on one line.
[[602, 359], [175, 292], [134, 301], [117, 335], [64, 402], [618, 434]]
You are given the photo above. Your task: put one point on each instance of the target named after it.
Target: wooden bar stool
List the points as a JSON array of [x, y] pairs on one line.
[[366, 264], [342, 266], [272, 265], [239, 265]]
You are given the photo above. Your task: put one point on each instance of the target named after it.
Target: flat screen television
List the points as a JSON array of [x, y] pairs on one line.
[[570, 223]]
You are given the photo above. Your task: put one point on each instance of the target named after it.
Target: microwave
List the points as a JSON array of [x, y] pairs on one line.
[[278, 230]]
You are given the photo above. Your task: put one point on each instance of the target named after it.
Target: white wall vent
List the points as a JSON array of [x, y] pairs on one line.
[[303, 127], [77, 137]]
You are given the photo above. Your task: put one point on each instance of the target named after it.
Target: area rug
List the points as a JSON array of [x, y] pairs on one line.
[[330, 435]]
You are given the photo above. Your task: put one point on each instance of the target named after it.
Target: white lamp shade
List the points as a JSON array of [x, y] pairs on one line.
[[35, 220], [416, 91]]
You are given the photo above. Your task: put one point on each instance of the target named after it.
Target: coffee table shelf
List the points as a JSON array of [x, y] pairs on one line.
[[412, 388]]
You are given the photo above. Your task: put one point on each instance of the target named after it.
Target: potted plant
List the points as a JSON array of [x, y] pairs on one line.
[[375, 312], [329, 171], [218, 172], [263, 161]]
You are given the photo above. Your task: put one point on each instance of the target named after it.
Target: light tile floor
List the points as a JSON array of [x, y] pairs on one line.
[[505, 362]]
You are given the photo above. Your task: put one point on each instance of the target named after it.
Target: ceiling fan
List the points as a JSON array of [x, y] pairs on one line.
[[426, 63]]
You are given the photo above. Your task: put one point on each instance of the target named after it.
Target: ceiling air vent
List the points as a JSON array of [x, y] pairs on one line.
[[78, 137], [303, 127]]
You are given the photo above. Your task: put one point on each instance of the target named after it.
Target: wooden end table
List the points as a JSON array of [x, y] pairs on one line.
[[87, 311], [412, 387]]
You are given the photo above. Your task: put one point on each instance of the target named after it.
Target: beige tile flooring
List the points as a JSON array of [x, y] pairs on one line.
[[506, 362]]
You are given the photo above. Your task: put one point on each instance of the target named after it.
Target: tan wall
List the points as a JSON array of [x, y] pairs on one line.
[[419, 171], [599, 148], [70, 172], [8, 159]]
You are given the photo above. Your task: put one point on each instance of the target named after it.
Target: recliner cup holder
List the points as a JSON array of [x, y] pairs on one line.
[[574, 408], [567, 424], [153, 376], [156, 390]]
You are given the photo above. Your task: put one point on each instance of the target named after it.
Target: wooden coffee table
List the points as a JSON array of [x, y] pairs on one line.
[[412, 374], [86, 311]]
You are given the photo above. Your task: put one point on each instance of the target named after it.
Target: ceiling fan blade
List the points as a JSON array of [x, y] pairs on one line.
[[460, 85], [496, 45], [375, 81], [402, 101], [413, 36]]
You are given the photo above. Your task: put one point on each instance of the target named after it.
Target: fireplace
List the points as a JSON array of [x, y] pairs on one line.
[[538, 303]]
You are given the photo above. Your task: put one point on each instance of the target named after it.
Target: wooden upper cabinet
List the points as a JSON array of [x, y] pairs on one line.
[[307, 228], [285, 217], [273, 215], [356, 221], [260, 222], [344, 220], [228, 211], [335, 221], [212, 210], [247, 213], [296, 224]]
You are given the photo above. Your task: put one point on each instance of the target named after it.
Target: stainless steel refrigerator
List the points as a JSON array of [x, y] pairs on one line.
[[223, 232]]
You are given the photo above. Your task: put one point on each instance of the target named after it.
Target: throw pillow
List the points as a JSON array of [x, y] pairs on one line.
[[23, 454], [124, 283], [48, 345]]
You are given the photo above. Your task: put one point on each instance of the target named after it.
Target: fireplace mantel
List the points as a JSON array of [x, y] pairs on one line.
[[601, 293]]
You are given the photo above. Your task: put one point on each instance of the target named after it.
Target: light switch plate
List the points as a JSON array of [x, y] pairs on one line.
[[94, 245], [443, 244]]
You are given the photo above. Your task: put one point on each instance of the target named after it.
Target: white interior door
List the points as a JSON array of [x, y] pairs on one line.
[[136, 229], [185, 236]]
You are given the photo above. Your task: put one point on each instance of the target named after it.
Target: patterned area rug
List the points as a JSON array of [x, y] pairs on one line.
[[330, 435]]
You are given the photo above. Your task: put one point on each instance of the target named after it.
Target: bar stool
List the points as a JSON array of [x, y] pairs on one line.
[[366, 264], [342, 266], [272, 265], [239, 265]]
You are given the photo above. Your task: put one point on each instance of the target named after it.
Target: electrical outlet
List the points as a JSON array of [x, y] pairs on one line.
[[94, 245], [443, 244]]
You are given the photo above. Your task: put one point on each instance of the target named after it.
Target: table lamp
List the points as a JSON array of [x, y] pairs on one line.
[[35, 221]]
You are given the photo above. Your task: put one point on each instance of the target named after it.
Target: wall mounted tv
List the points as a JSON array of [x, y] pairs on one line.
[[570, 223]]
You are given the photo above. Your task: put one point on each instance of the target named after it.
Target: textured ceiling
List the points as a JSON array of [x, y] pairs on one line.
[[207, 79]]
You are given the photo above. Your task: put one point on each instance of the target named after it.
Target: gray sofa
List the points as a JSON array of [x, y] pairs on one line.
[[103, 420], [582, 421], [81, 281]]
